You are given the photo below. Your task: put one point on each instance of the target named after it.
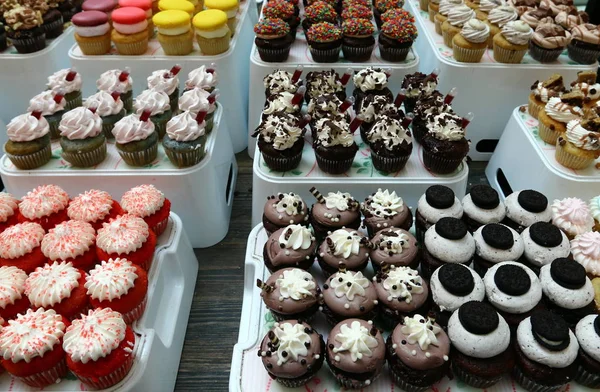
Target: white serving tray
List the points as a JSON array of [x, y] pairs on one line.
[[161, 330], [527, 162], [488, 89], [206, 209], [247, 371]]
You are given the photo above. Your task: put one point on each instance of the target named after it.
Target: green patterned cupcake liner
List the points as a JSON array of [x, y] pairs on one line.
[[74, 100], [32, 161], [186, 158], [86, 159], [140, 158]]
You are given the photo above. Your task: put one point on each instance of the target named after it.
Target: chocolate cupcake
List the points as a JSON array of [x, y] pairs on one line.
[[319, 11], [373, 107], [291, 293], [343, 246], [334, 146], [438, 202], [280, 142], [418, 86], [23, 28], [279, 81], [324, 41], [453, 285], [383, 210], [444, 145], [524, 208], [284, 209], [325, 82], [545, 351], [482, 206], [567, 290], [584, 47], [543, 243], [480, 338], [273, 40], [588, 368], [391, 144], [348, 294], [396, 39], [548, 42], [291, 246], [495, 243], [396, 247], [418, 353], [334, 211], [370, 81], [426, 108], [448, 241], [514, 290], [401, 292], [327, 106], [292, 352], [355, 353], [285, 11], [357, 39]]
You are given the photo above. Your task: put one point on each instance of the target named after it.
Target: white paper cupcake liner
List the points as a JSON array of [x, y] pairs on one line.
[[467, 55], [571, 161], [508, 56], [282, 164], [547, 134], [160, 228], [533, 108]]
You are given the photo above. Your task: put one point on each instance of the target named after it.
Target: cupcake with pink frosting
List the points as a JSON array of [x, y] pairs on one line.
[[71, 241], [595, 211], [167, 81], [150, 204], [94, 207], [20, 246], [13, 300], [585, 249], [185, 141], [573, 216], [52, 106], [116, 80], [109, 107], [157, 102], [46, 205], [199, 100], [68, 82], [202, 77], [136, 140], [9, 209], [28, 145], [82, 140]]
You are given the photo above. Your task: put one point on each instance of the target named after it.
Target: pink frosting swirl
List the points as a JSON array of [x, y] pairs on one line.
[[572, 215], [154, 100], [58, 81], [68, 240], [90, 206], [104, 104], [80, 123], [163, 80], [585, 249], [25, 128], [196, 100], [109, 82], [43, 201], [21, 239], [122, 235], [185, 128], [44, 102], [201, 78], [131, 128], [143, 200], [8, 205]]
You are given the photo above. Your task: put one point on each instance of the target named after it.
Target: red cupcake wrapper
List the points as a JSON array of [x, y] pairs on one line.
[[158, 230], [135, 313], [111, 379], [47, 377]]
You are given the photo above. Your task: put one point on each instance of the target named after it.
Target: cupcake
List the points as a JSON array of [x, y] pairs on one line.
[[355, 353], [470, 43], [202, 77], [136, 140], [372, 108], [20, 246], [534, 17], [280, 142], [145, 5], [31, 347], [325, 82], [52, 106], [584, 249], [359, 11], [544, 243], [290, 246], [357, 39], [567, 290], [175, 33], [324, 41], [573, 216], [425, 109], [334, 146], [384, 209], [292, 352], [116, 80], [438, 202], [9, 211], [442, 15], [130, 31], [401, 293], [395, 39], [482, 206], [185, 139], [199, 100], [82, 139], [348, 294], [451, 286], [67, 82], [343, 246], [586, 84], [283, 209], [94, 207], [568, 20], [511, 44], [542, 91], [99, 348], [381, 6], [485, 6], [109, 107], [394, 247], [334, 211], [99, 5], [158, 103], [150, 204], [497, 18], [53, 23], [13, 300], [212, 33], [447, 241], [495, 243], [284, 10], [444, 145], [230, 7], [126, 236], [273, 40], [433, 8], [587, 333], [545, 351], [166, 81], [23, 29], [317, 12], [286, 103], [418, 353], [390, 143], [595, 211], [46, 205], [480, 339], [524, 208], [584, 47], [28, 145], [579, 146], [548, 42], [92, 32], [72, 242], [457, 17], [370, 81], [120, 285], [291, 294], [280, 81]]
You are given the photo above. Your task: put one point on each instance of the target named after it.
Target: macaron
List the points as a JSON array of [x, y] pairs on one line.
[[172, 22], [145, 5], [210, 20], [89, 19], [99, 5], [181, 5], [223, 5], [128, 15]]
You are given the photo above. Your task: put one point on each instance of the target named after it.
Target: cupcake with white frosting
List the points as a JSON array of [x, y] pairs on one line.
[[588, 334], [346, 246], [94, 207], [512, 42], [52, 106], [136, 139], [9, 211], [82, 139], [526, 207], [384, 210], [167, 81], [558, 112], [20, 246], [495, 243], [396, 247], [109, 107], [280, 141], [28, 144], [68, 82], [498, 17], [46, 205], [370, 81], [157, 103], [13, 300], [579, 146], [290, 246], [585, 249], [445, 146], [116, 80], [438, 202], [202, 77], [391, 144], [284, 209], [150, 204], [482, 206], [71, 241], [448, 241], [470, 44], [199, 100], [544, 243], [573, 216], [457, 18]]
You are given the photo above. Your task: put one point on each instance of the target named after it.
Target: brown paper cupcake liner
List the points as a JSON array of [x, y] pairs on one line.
[[111, 379], [533, 108], [186, 158], [394, 54], [473, 380], [140, 158], [466, 55], [296, 382], [214, 46], [388, 165], [431, 14], [332, 166], [581, 55], [350, 383], [529, 384], [587, 379], [274, 55], [29, 45], [325, 55], [544, 55], [47, 377], [97, 47], [571, 161], [282, 164], [357, 54], [402, 384], [508, 56], [424, 5], [132, 48], [86, 159], [440, 165], [547, 134], [53, 29], [32, 161]]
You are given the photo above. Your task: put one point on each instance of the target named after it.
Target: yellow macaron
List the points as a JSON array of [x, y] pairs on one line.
[[223, 5], [210, 20], [179, 5], [171, 19]]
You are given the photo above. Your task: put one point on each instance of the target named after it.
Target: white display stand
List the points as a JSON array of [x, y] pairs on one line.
[[300, 55], [360, 181], [232, 67], [488, 89], [202, 194], [24, 75], [160, 332], [523, 161]]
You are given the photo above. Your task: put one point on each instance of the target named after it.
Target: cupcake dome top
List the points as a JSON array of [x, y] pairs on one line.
[[324, 32], [20, 239], [400, 31], [8, 205], [397, 14], [12, 285], [358, 27], [278, 9], [123, 235], [357, 11], [271, 27], [68, 240], [90, 206], [143, 200], [320, 11], [43, 201], [111, 279], [52, 283]]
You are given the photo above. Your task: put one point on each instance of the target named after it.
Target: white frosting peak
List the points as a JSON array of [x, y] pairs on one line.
[[356, 339], [351, 284], [389, 204], [50, 284], [58, 81], [421, 330], [296, 237], [370, 78], [201, 78], [586, 251], [346, 243], [109, 82], [595, 208], [337, 200], [288, 203], [185, 128], [25, 128], [163, 80], [402, 282], [12, 285], [80, 123], [122, 235], [111, 279], [104, 103], [131, 128], [572, 215], [44, 102], [296, 284], [292, 339], [155, 101]]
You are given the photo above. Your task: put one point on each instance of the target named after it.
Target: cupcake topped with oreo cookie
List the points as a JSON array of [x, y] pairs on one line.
[[334, 211], [543, 243], [370, 81], [482, 206], [384, 209], [438, 201], [395, 247], [588, 335], [290, 246], [346, 246], [284, 209], [526, 207], [448, 241], [495, 243]]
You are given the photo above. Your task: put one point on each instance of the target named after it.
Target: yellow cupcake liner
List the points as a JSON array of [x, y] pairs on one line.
[[547, 134], [95, 47], [508, 56], [572, 161], [467, 55], [431, 14], [214, 46]]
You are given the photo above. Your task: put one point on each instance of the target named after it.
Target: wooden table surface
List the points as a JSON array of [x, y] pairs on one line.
[[215, 316]]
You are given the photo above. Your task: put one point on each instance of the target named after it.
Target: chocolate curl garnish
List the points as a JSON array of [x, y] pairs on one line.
[[346, 77], [317, 195], [298, 96], [116, 95], [400, 97], [373, 331], [145, 116], [353, 205], [450, 96], [467, 119], [200, 117], [93, 110], [342, 267], [368, 244], [213, 96], [407, 120], [264, 286], [356, 123], [346, 104], [174, 71], [71, 74], [297, 73], [124, 75], [212, 68], [303, 121], [37, 114], [330, 244], [60, 94], [274, 339]]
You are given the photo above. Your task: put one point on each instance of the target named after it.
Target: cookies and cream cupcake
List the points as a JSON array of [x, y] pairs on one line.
[[334, 211], [572, 215], [482, 206], [348, 294], [384, 209], [588, 369], [544, 243], [290, 246], [524, 208], [284, 209], [291, 293], [438, 202], [395, 247], [495, 243], [448, 241], [346, 246]]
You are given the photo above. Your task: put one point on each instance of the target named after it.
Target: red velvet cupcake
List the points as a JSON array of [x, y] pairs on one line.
[[99, 348], [73, 242], [12, 288], [129, 237], [31, 347], [120, 285], [9, 209], [20, 246], [58, 286], [148, 203], [95, 207], [46, 205]]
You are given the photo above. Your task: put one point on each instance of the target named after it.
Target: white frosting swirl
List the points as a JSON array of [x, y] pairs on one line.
[[109, 82], [352, 284], [296, 284], [572, 215], [68, 240], [500, 16], [421, 330], [25, 128], [595, 208], [42, 201], [403, 282], [21, 239], [8, 206], [370, 78], [388, 204], [356, 339], [50, 284], [296, 237], [488, 5], [588, 337], [540, 255], [163, 80], [131, 128], [201, 78], [80, 123], [104, 104], [196, 100], [346, 242], [58, 81], [122, 235], [586, 251], [282, 102], [287, 203], [517, 32], [591, 91], [475, 31], [496, 255], [562, 296], [142, 200], [156, 101], [562, 112], [279, 81], [390, 131], [110, 279], [395, 244], [445, 126], [450, 302], [185, 128], [292, 340], [460, 14], [514, 304], [337, 200], [449, 251], [44, 102], [447, 5], [540, 354], [479, 346], [90, 206], [581, 137], [12, 285], [282, 133], [432, 214]]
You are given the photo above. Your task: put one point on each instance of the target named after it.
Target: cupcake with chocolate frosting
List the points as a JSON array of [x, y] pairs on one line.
[[384, 209], [334, 211], [343, 246], [482, 206], [348, 294], [284, 209], [548, 42], [495, 243], [370, 81], [447, 241], [526, 207], [290, 246], [535, 17], [395, 247], [588, 368], [568, 20], [544, 243], [438, 202], [584, 47]]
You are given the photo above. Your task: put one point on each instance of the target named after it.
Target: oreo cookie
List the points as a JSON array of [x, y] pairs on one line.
[[550, 330], [497, 236], [484, 196], [512, 279], [545, 234], [456, 279], [532, 201], [597, 325], [568, 273], [478, 317], [451, 228], [439, 196]]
